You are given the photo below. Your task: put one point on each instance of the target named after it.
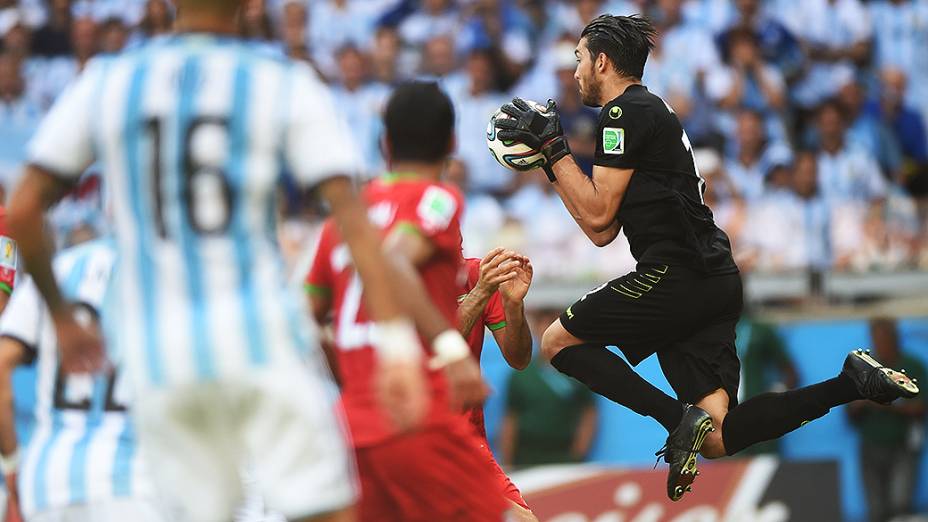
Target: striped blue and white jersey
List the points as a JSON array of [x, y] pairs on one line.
[[194, 133], [901, 39], [83, 445]]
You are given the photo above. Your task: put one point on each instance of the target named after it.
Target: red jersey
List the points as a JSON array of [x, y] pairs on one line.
[[425, 207], [494, 318], [8, 257]]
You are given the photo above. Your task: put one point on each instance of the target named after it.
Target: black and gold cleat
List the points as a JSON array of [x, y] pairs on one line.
[[877, 382], [681, 449]]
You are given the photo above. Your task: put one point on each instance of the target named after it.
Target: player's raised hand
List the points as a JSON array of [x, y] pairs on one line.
[[402, 392], [516, 288], [12, 512], [400, 378], [497, 267], [79, 342], [467, 387]]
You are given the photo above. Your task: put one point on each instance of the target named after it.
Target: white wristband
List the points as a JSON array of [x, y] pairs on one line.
[[449, 347], [9, 464], [396, 341]]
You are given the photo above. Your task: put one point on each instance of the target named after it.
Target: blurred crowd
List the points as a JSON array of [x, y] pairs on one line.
[[807, 117]]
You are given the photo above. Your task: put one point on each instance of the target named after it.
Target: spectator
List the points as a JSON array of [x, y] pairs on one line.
[[777, 44], [483, 216], [19, 117], [361, 104], [687, 53], [750, 156], [54, 38], [544, 21], [385, 56], [867, 131], [130, 12], [900, 43], [571, 17], [550, 418], [158, 19], [548, 227], [907, 127], [685, 39], [17, 41], [875, 237], [113, 35], [836, 35], [745, 81], [474, 104], [845, 171], [256, 23], [788, 227], [890, 436], [711, 15], [499, 26], [434, 18], [334, 24], [439, 63], [730, 212], [294, 18], [670, 77], [49, 78]]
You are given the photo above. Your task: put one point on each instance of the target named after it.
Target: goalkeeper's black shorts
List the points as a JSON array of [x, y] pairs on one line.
[[687, 318]]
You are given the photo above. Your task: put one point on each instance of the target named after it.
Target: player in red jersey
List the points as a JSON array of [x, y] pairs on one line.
[[436, 472], [493, 297]]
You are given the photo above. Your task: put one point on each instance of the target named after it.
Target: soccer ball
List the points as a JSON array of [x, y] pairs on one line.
[[510, 154]]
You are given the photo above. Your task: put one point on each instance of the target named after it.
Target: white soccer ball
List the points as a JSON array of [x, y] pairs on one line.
[[512, 155]]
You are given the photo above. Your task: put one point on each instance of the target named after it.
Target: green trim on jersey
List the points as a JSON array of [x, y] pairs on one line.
[[6, 288], [394, 177], [408, 227], [312, 289], [497, 326]]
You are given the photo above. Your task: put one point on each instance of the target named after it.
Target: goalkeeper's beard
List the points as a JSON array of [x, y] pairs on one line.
[[591, 95]]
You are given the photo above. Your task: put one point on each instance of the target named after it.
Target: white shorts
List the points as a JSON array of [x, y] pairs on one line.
[[115, 510], [284, 425]]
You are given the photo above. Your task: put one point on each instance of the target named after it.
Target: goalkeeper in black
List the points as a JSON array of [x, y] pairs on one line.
[[685, 297]]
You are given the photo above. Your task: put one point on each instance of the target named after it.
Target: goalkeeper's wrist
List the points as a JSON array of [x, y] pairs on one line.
[[449, 347], [554, 150], [9, 464], [397, 340]]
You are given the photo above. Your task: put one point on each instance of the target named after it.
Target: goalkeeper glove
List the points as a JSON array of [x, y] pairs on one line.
[[537, 127]]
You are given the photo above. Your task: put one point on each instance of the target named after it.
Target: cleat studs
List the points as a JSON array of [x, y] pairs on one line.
[[697, 472], [901, 382], [902, 370], [689, 489]]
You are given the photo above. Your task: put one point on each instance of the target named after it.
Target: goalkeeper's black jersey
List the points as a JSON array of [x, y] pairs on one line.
[[662, 212]]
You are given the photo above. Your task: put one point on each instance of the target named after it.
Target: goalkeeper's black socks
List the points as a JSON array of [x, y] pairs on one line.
[[610, 376], [771, 415]]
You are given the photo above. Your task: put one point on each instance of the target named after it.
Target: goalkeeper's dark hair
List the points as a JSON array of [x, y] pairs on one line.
[[419, 123], [626, 40]]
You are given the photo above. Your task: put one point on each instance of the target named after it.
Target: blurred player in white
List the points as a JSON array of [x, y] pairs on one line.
[[82, 462], [194, 131]]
